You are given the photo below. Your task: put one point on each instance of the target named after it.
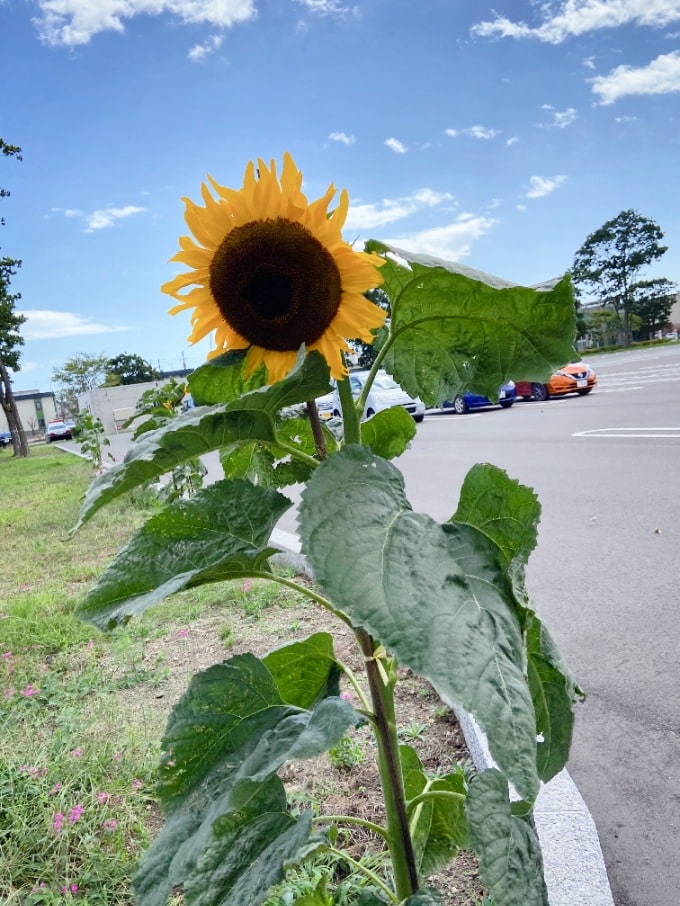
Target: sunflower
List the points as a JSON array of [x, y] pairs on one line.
[[271, 271]]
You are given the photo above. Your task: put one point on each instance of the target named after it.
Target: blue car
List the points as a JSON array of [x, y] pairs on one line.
[[462, 403], [5, 438]]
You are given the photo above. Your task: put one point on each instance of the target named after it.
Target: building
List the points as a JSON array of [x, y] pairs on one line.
[[115, 405], [35, 409]]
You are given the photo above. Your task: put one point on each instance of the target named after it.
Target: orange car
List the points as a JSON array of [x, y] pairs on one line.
[[576, 377]]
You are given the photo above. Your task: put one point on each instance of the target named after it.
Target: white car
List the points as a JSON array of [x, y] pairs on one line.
[[384, 393]]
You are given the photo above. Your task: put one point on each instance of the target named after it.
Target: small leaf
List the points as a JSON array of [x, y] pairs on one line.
[[456, 329], [426, 896], [389, 432], [219, 534], [305, 671], [438, 826], [507, 848], [222, 380], [433, 594], [502, 509]]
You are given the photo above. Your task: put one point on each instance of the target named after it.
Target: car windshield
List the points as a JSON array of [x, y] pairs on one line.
[[385, 382]]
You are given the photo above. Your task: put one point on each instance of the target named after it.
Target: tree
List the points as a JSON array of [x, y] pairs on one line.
[[368, 352], [129, 369], [652, 303], [611, 257], [80, 373], [10, 338]]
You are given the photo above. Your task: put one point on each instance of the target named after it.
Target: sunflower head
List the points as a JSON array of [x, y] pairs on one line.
[[271, 271]]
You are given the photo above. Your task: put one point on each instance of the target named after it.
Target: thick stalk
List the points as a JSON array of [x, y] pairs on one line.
[[389, 766], [350, 416], [317, 431]]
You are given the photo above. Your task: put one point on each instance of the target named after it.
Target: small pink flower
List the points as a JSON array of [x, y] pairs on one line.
[[57, 823], [7, 655], [137, 784], [71, 888], [182, 633], [110, 825], [103, 798], [117, 756], [29, 690], [247, 585], [55, 789], [76, 753], [345, 696], [75, 814]]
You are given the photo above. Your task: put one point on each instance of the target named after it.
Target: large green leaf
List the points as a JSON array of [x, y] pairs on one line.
[[233, 713], [249, 418], [455, 329], [426, 896], [438, 826], [219, 534], [506, 846], [305, 671], [554, 691], [222, 379], [389, 432], [232, 850], [433, 594], [502, 509]]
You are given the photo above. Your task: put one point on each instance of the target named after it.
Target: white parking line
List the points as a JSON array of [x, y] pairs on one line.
[[629, 432]]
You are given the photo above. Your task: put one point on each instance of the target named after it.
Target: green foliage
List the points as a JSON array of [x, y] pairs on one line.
[[129, 368], [91, 435], [447, 600], [80, 373], [610, 258]]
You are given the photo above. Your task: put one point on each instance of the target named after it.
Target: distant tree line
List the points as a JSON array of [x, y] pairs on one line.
[[83, 372]]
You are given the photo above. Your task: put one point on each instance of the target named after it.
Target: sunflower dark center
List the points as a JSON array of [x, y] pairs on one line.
[[275, 284]]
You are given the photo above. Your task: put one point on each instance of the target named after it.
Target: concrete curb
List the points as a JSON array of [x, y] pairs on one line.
[[574, 868]]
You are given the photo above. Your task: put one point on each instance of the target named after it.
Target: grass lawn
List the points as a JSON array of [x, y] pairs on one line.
[[77, 759]]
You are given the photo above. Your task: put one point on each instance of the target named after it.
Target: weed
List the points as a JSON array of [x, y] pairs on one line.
[[347, 754], [413, 731]]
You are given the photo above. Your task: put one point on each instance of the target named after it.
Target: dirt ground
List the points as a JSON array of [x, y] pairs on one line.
[[350, 787]]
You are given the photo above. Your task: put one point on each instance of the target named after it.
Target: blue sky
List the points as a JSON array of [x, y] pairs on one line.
[[499, 134]]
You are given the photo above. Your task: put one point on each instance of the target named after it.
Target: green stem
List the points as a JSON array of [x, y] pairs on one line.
[[350, 415], [434, 794], [302, 589], [349, 819], [389, 766], [366, 871], [294, 451], [355, 685]]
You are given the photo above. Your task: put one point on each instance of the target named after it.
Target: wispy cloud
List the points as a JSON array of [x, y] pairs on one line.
[[395, 145], [107, 217], [363, 217], [473, 131], [540, 186], [661, 76], [452, 242], [46, 324], [328, 7], [589, 62], [342, 137], [73, 22], [577, 17], [561, 118], [512, 140], [199, 51]]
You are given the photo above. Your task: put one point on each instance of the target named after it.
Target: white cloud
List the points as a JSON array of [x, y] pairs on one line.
[[540, 186], [564, 118], [342, 137], [512, 141], [363, 217], [452, 242], [395, 145], [661, 76], [625, 119], [73, 22], [46, 324], [589, 62], [199, 51], [100, 220], [577, 17], [473, 131], [327, 7]]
